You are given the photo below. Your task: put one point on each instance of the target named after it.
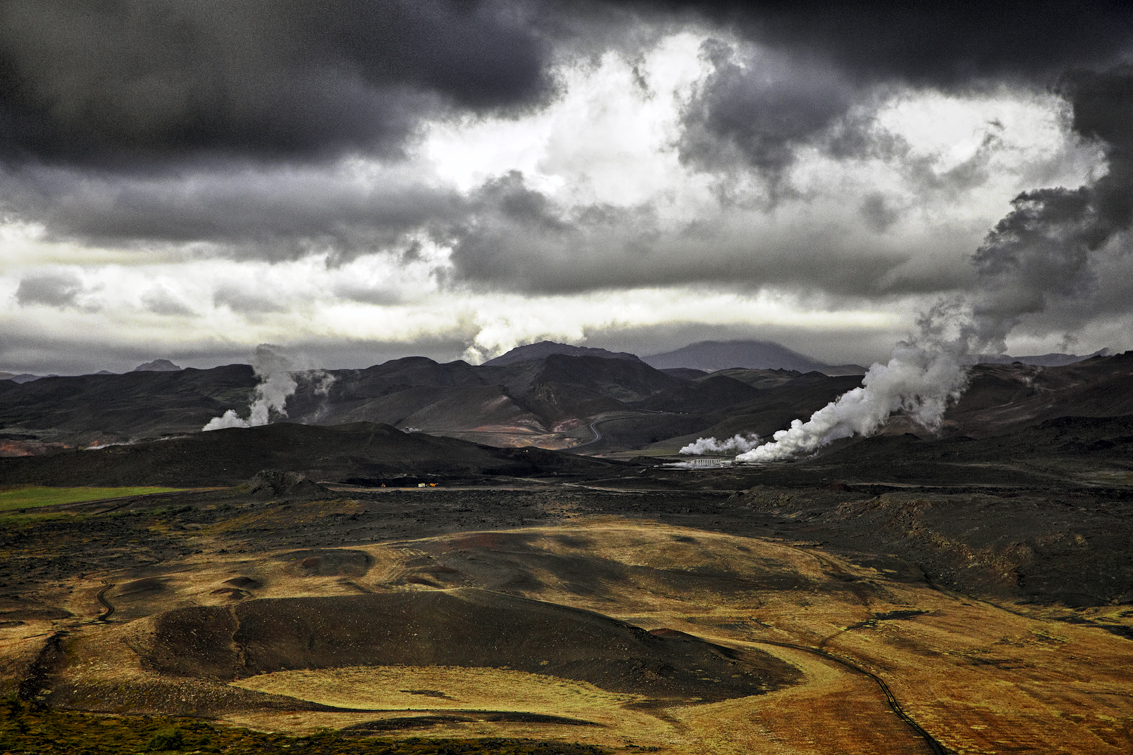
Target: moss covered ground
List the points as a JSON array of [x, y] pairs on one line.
[[30, 497]]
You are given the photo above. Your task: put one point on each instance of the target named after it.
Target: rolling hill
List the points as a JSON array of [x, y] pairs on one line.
[[558, 401], [711, 356], [363, 452]]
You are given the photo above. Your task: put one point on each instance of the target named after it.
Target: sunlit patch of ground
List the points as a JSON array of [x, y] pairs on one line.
[[1109, 477], [439, 688], [490, 701], [978, 677]]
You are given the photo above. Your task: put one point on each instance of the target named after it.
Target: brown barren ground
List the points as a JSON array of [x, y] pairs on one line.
[[624, 632]]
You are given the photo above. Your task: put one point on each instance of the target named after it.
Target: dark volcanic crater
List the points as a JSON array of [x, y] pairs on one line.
[[463, 627]]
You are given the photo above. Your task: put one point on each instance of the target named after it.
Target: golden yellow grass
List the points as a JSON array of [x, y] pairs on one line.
[[403, 690], [982, 678], [441, 688], [977, 675]]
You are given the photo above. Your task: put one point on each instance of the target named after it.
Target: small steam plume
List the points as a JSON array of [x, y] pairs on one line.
[[737, 444], [278, 382], [1042, 249]]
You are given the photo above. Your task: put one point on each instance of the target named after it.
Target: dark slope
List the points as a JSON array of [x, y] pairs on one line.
[[533, 401], [535, 393], [463, 627], [762, 378], [635, 403], [136, 404], [774, 408], [704, 395], [611, 394], [1096, 437], [421, 393], [471, 408], [613, 381], [721, 355], [1042, 360], [412, 392], [685, 373], [1091, 454], [392, 393], [1005, 398], [354, 392], [533, 351], [418, 371], [229, 457]]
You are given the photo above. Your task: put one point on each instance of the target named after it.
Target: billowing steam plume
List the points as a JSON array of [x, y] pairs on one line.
[[918, 382], [278, 382], [737, 444], [1042, 249]]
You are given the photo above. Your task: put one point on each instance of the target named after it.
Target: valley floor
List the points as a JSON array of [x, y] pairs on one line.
[[624, 615]]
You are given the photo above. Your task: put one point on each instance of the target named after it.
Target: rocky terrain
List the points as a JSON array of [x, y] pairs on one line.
[[338, 586], [555, 401]]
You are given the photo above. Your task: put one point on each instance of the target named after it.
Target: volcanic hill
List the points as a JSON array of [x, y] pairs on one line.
[[557, 401]]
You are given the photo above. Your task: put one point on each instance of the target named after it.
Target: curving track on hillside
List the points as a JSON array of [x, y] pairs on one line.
[[101, 597], [890, 698]]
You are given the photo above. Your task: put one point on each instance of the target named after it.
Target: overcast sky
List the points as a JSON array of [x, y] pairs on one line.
[[357, 181]]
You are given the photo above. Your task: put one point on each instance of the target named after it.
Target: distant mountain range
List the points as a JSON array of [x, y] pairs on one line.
[[703, 356], [23, 377], [1038, 360], [562, 401], [157, 365], [711, 356], [546, 348], [558, 401]]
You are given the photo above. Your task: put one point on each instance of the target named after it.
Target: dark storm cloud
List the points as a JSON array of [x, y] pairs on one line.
[[146, 80], [1046, 248], [878, 213], [1037, 251], [808, 65], [142, 81], [516, 238], [262, 213], [832, 54], [939, 44], [242, 84], [26, 350], [53, 290], [759, 110], [1102, 106]]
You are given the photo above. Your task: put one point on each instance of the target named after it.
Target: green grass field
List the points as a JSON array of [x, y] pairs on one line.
[[36, 497]]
